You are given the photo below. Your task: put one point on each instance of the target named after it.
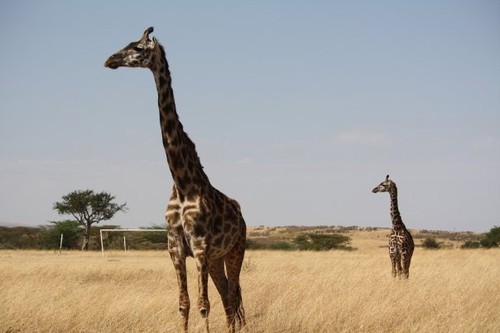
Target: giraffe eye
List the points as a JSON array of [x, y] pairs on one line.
[[138, 48]]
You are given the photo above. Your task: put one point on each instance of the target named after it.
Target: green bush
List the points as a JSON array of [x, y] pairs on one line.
[[488, 243], [282, 246], [471, 245], [491, 239], [430, 243], [72, 233], [322, 242]]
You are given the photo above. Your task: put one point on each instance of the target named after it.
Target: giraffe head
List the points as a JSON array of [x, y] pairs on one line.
[[136, 54], [386, 186]]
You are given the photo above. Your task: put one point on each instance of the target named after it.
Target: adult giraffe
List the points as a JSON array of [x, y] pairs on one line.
[[202, 222]]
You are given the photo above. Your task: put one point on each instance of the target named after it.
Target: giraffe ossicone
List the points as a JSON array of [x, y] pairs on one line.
[[401, 244], [201, 221]]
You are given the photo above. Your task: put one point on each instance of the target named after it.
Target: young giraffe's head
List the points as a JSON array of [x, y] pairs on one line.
[[386, 186], [141, 53]]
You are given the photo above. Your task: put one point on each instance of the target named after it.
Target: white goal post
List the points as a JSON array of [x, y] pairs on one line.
[[125, 230]]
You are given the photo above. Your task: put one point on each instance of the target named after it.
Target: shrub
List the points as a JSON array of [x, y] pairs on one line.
[[282, 246], [71, 231], [488, 243], [430, 243], [491, 239], [322, 242], [253, 245], [471, 245]]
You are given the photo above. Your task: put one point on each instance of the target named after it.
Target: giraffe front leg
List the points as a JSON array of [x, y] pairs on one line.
[[203, 303], [399, 265], [199, 252], [178, 252], [394, 271], [179, 261], [406, 267], [393, 256]]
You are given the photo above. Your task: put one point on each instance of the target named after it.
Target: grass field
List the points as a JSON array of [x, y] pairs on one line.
[[449, 290]]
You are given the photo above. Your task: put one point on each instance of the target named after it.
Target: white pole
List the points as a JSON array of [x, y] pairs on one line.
[[102, 244], [124, 243], [60, 242]]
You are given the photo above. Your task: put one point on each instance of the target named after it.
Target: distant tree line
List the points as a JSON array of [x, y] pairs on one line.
[[490, 240], [304, 242], [49, 237]]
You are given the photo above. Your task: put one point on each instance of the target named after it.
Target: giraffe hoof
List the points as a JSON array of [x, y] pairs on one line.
[[183, 311], [204, 312]]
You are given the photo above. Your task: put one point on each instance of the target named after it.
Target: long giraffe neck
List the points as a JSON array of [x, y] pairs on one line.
[[397, 221], [183, 160]]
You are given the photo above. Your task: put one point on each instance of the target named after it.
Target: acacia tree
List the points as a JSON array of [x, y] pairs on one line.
[[88, 208]]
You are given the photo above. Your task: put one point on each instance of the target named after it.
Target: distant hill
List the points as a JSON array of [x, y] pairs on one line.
[[13, 225], [7, 224]]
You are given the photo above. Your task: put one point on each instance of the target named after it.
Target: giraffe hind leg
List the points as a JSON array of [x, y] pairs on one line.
[[399, 265], [234, 261], [406, 265], [218, 275]]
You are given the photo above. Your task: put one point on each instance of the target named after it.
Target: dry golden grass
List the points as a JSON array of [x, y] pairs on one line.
[[448, 291]]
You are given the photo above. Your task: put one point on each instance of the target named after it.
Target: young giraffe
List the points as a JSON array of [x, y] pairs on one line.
[[202, 222], [400, 241]]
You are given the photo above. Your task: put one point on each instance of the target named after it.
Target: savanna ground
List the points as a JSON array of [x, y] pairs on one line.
[[449, 290]]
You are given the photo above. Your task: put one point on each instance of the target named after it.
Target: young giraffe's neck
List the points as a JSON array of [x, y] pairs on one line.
[[184, 163], [397, 222]]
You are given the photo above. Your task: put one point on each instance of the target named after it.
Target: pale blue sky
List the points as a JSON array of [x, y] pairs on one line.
[[298, 108]]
